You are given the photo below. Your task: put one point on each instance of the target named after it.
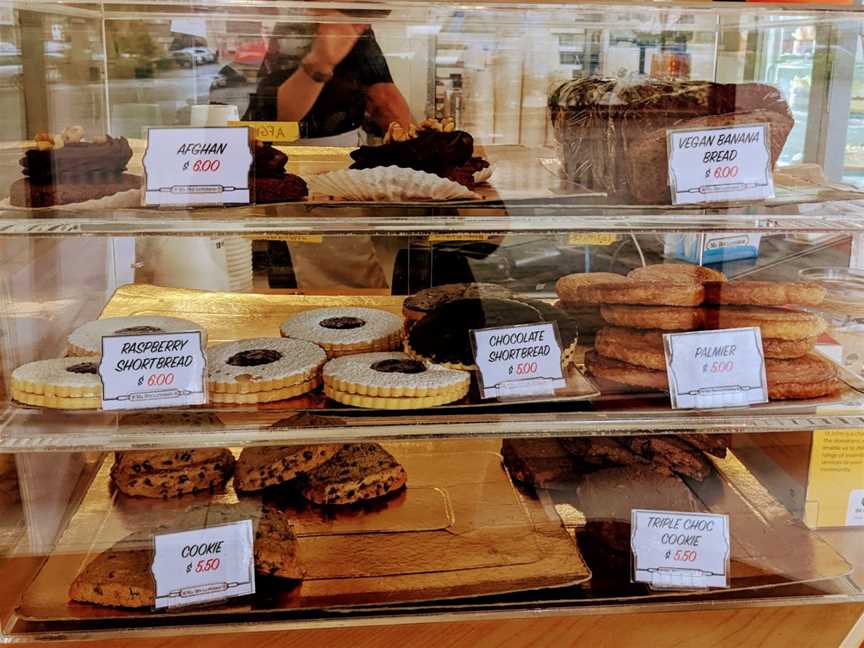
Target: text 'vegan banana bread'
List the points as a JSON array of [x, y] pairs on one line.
[[612, 135]]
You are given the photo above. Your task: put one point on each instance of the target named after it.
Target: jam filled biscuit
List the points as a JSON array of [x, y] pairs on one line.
[[676, 273], [443, 335], [392, 381], [651, 293], [665, 318], [260, 467], [61, 383], [341, 331], [425, 301], [571, 288], [263, 369], [87, 339], [780, 323], [360, 471], [764, 293]]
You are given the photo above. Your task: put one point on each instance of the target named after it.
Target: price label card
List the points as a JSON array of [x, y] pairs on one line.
[[272, 131], [153, 370], [680, 550], [197, 166], [724, 368], [522, 360], [720, 164], [203, 565]]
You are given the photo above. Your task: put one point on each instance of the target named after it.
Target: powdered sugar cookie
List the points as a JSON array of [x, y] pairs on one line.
[[62, 383], [342, 331], [244, 370], [87, 339], [392, 381]]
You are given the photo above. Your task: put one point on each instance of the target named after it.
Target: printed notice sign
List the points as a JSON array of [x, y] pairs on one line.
[[153, 370], [679, 550], [522, 360], [724, 368], [203, 565], [272, 131], [720, 164], [197, 166]]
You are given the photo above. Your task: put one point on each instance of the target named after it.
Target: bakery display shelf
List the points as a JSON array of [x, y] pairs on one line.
[[773, 554], [230, 316], [435, 540]]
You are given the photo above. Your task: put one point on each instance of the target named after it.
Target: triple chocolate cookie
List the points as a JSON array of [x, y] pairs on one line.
[[261, 370], [392, 381]]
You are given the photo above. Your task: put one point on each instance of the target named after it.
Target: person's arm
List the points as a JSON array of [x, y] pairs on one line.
[[296, 96], [386, 105]]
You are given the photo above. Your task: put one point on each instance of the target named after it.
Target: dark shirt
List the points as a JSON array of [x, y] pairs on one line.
[[341, 106]]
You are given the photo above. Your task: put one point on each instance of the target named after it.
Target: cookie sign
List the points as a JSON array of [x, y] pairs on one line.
[[720, 164], [708, 369], [153, 370], [679, 550], [197, 166], [203, 565], [522, 360]]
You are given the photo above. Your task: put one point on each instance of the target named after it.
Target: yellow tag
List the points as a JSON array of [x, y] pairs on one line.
[[591, 238], [835, 482], [300, 238], [272, 131], [467, 236]]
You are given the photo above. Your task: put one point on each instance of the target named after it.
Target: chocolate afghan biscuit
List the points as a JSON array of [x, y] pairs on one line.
[[443, 336]]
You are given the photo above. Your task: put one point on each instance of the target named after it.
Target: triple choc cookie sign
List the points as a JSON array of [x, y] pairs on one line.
[[520, 360], [153, 370]]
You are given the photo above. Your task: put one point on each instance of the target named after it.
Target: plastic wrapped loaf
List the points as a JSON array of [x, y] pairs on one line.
[[611, 135]]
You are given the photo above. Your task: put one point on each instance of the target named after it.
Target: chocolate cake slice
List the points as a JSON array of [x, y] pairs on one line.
[[607, 497]]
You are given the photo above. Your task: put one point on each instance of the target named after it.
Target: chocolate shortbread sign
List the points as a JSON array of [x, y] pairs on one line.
[[519, 360]]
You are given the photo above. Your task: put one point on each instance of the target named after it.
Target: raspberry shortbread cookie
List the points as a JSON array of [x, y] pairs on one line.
[[61, 383], [87, 339], [342, 331], [360, 471], [261, 370], [392, 381]]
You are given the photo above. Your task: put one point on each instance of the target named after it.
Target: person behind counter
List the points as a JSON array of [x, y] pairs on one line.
[[331, 78]]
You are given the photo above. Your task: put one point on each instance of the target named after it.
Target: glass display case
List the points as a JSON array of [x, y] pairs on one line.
[[453, 311]]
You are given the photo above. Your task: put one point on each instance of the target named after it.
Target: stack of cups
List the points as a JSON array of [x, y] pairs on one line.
[[238, 262]]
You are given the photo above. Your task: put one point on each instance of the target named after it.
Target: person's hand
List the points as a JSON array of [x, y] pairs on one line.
[[332, 44]]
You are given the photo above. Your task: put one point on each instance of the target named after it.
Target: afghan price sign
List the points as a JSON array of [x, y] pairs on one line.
[[153, 370], [203, 565], [272, 131], [522, 360], [724, 368], [197, 166], [720, 164], [679, 550]]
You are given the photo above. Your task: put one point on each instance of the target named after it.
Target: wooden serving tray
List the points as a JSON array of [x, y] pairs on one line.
[[460, 529]]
